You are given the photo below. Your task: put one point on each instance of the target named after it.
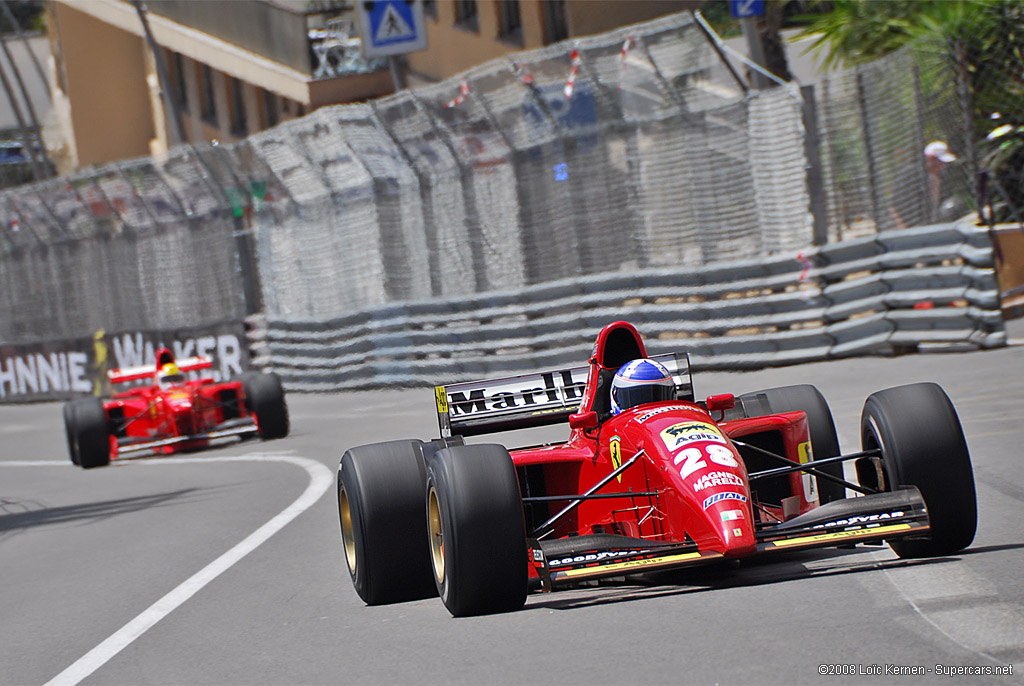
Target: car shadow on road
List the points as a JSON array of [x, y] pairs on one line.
[[17, 515], [794, 567]]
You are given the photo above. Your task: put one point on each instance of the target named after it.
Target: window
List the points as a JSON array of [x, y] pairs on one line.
[[239, 125], [510, 21], [207, 105], [270, 112], [465, 14], [430, 9], [557, 21], [179, 91]]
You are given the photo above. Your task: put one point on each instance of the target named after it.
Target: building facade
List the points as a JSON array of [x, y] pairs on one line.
[[223, 69]]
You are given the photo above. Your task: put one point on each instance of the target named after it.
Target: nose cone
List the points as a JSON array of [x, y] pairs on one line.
[[712, 482], [181, 404], [730, 515]]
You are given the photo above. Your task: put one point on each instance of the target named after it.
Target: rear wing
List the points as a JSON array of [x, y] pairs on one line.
[[471, 408], [148, 371]]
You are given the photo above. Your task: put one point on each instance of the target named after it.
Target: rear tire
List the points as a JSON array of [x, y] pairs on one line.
[[824, 440], [70, 429], [922, 443], [477, 532], [264, 397], [88, 433], [383, 525]]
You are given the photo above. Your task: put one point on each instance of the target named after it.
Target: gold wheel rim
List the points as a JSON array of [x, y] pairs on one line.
[[436, 535], [347, 536]]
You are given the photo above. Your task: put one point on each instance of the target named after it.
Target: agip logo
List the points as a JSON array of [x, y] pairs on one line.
[[679, 435]]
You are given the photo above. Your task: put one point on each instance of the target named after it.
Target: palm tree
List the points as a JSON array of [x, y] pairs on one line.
[[980, 43]]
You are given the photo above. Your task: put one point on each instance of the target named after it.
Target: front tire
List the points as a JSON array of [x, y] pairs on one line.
[[383, 526], [264, 397], [88, 433], [70, 430], [821, 426], [917, 429], [477, 532]]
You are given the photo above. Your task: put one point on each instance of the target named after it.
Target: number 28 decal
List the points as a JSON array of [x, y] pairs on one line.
[[693, 458]]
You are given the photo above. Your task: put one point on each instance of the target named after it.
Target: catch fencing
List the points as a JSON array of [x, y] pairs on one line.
[[588, 162], [928, 288]]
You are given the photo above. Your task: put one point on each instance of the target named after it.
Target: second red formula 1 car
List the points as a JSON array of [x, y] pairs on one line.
[[172, 413], [649, 479]]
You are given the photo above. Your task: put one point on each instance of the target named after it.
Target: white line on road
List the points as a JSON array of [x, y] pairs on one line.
[[320, 479]]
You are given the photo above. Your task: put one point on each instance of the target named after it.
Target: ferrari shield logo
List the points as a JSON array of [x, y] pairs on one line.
[[616, 453]]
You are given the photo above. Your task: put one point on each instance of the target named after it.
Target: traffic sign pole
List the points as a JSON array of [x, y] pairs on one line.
[[397, 76], [755, 49]]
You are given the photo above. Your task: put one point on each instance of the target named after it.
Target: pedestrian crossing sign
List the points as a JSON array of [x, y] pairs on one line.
[[391, 27]]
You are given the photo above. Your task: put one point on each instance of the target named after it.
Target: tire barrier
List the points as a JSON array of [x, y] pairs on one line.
[[923, 289]]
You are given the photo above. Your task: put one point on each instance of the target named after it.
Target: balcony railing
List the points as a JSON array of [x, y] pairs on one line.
[[317, 38]]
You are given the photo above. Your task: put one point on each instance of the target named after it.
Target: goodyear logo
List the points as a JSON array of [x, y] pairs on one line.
[[442, 399], [615, 449], [678, 435]]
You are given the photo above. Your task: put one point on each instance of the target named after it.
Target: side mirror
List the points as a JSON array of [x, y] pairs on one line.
[[720, 403], [585, 420]]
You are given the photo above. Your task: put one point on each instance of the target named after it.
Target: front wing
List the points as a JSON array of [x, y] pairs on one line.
[[868, 519], [128, 447]]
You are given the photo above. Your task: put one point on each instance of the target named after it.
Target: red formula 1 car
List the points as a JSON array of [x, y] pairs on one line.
[[173, 413], [658, 486]]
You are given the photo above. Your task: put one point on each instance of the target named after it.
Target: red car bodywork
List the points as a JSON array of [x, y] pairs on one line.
[[662, 485], [184, 416]]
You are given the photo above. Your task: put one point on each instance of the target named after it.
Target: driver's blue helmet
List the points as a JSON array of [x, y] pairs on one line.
[[641, 381]]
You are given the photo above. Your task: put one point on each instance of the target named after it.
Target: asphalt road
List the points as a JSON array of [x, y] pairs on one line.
[[225, 567]]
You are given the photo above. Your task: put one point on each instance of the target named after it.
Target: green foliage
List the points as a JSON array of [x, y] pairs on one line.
[[976, 44], [30, 15], [784, 13], [859, 31]]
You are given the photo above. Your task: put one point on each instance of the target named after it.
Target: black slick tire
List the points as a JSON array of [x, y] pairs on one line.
[[383, 525], [70, 431], [264, 397], [88, 433], [824, 440], [477, 532], [917, 429]]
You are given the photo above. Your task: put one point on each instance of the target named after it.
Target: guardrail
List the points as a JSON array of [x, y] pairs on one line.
[[920, 289]]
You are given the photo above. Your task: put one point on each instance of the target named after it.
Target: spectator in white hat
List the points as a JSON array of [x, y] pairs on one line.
[[937, 156]]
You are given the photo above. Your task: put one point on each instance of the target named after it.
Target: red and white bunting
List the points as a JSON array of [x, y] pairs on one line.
[[807, 265], [627, 45], [461, 97], [570, 83], [524, 74]]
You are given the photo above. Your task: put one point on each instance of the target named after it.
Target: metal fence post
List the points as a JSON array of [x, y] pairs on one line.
[[930, 210], [815, 178], [876, 209]]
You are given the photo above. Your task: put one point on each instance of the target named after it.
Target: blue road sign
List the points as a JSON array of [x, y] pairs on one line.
[[746, 8], [391, 27]]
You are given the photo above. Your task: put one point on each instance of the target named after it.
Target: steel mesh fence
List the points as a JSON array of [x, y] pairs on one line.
[[610, 154]]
